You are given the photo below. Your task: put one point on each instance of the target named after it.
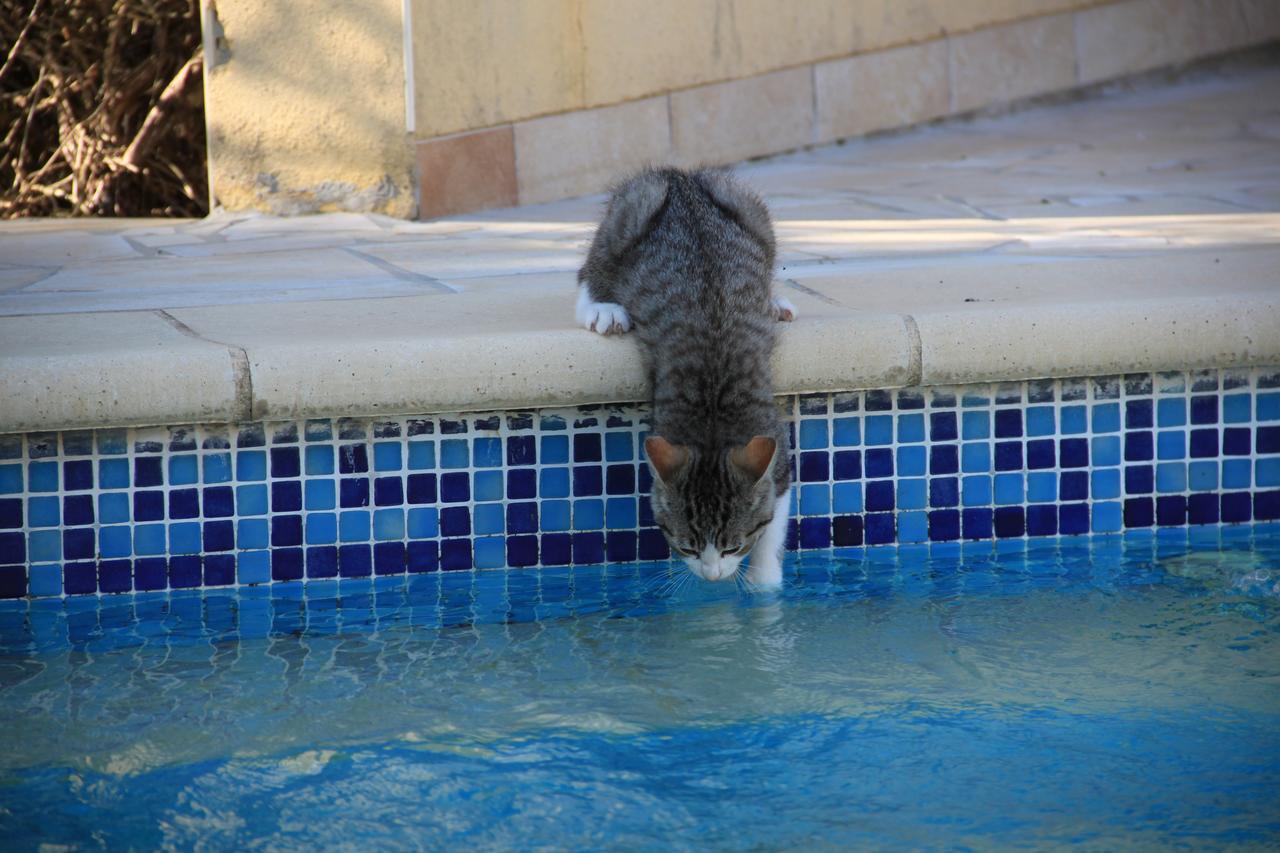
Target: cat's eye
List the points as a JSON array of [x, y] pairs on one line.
[[688, 552]]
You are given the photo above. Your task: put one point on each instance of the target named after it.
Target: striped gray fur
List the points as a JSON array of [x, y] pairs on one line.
[[689, 256]]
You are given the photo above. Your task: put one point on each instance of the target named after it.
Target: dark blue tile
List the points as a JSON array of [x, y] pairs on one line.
[[148, 506], [1039, 454], [388, 491], [150, 573], [1008, 456], [219, 570], [455, 521], [286, 496], [523, 483], [77, 475], [522, 450], [1204, 443], [11, 513], [353, 491], [1138, 447], [115, 575], [620, 546], [813, 466], [944, 525], [78, 543], [1139, 480], [13, 548], [1171, 510], [422, 487], [522, 551], [1202, 508], [848, 464], [354, 561], [353, 459], [80, 578], [1008, 423], [1073, 486], [557, 549], [878, 528], [423, 557], [815, 532], [76, 509], [1268, 439], [879, 463], [944, 459], [588, 548], [286, 530], [620, 479], [219, 502], [1042, 520], [1236, 507], [285, 462], [587, 480], [13, 581], [1204, 410], [944, 492], [147, 471], [645, 480], [1139, 512], [652, 546], [388, 558], [322, 561], [1137, 414], [1073, 519], [846, 531], [1073, 452], [219, 536], [586, 447], [184, 503], [908, 400], [879, 401], [879, 495], [1010, 521], [522, 517], [942, 426], [185, 572], [793, 535], [1235, 441], [1266, 505]]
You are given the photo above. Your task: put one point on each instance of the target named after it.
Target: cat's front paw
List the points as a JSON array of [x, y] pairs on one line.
[[766, 575], [783, 310], [606, 318]]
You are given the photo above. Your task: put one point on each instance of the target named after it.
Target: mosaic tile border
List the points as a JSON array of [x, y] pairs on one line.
[[116, 510]]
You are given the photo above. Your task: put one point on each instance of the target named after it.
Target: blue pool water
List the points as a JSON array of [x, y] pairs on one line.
[[1105, 691]]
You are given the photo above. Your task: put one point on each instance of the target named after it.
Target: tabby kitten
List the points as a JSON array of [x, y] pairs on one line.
[[687, 258]]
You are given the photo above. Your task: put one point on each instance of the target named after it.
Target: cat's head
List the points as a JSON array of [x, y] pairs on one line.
[[712, 506]]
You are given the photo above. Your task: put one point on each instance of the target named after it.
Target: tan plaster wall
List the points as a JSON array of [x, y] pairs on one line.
[[306, 107]]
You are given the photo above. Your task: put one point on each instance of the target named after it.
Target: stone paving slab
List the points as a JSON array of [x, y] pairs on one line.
[[1135, 230]]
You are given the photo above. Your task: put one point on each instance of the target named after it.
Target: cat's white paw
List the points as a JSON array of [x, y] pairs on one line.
[[766, 575], [783, 310], [606, 318]]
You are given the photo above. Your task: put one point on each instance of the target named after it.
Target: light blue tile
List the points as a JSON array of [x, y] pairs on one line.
[[486, 452], [184, 538], [322, 528], [1010, 489], [879, 429], [1105, 484], [1236, 473], [847, 497], [251, 465], [454, 453], [251, 500], [387, 456], [353, 525], [588, 514], [45, 579], [1267, 472], [252, 533], [554, 449], [975, 457], [115, 541], [1105, 451], [114, 473], [815, 499], [1268, 406], [43, 512], [422, 455], [1106, 417], [813, 434], [1171, 412], [1171, 444], [620, 513], [619, 446], [1202, 476], [487, 485], [553, 482], [47, 545], [1042, 487], [913, 527], [911, 461], [490, 553], [847, 432], [910, 428], [424, 523], [1171, 477], [253, 567], [1075, 420], [912, 494], [42, 476], [1237, 408], [976, 490], [319, 459], [1040, 420], [488, 519], [388, 524], [183, 470], [319, 494], [1107, 517], [554, 515], [113, 508], [976, 425], [148, 539]]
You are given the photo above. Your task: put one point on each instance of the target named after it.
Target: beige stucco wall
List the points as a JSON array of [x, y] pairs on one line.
[[306, 106]]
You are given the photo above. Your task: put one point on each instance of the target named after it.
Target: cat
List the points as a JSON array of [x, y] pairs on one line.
[[686, 258]]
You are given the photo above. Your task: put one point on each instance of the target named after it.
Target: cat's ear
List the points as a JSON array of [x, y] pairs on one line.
[[754, 459], [667, 458]]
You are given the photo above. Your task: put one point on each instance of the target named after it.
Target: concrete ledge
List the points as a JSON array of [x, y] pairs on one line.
[[1102, 237]]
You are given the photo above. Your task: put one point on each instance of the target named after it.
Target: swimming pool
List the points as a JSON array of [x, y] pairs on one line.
[[1112, 690]]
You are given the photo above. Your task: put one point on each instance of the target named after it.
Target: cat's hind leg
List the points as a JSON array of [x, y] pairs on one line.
[[766, 557], [783, 310], [606, 318]]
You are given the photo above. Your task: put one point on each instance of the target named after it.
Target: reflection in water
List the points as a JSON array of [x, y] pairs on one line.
[[488, 703]]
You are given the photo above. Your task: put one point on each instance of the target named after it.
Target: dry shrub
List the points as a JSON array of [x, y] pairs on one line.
[[102, 108]]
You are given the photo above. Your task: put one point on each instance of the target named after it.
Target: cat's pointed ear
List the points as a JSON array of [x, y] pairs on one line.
[[667, 458], [754, 459]]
